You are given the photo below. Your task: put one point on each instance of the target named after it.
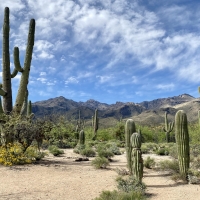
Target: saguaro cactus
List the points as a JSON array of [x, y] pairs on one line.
[[137, 161], [182, 140], [129, 130], [82, 138], [6, 89], [95, 124], [168, 128]]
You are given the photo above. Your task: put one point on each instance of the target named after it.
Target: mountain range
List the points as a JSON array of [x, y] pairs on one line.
[[146, 112]]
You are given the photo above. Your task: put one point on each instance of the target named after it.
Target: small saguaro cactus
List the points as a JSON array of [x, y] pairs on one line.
[[129, 130], [137, 161], [182, 140], [168, 128], [82, 138], [95, 124]]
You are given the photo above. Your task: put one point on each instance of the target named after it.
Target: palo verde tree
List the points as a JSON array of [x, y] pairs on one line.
[[6, 87]]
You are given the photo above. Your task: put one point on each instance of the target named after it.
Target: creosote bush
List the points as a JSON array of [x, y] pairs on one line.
[[100, 163], [55, 150], [149, 162], [118, 195]]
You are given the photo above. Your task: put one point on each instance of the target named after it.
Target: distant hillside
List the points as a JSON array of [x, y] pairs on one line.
[[147, 112]]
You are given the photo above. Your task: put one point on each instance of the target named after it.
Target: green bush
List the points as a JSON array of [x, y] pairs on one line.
[[79, 148], [116, 195], [112, 146], [130, 184], [169, 165], [162, 151], [89, 152], [149, 162], [55, 150], [100, 162]]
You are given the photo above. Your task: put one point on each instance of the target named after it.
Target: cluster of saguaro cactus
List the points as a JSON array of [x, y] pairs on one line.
[[80, 124], [95, 123], [182, 140], [168, 128], [137, 161], [5, 88]]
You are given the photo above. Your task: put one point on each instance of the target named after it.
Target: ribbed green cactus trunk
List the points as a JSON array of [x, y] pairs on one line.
[[7, 87], [129, 130], [182, 140], [137, 161]]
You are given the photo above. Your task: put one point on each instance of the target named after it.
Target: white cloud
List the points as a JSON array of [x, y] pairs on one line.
[[72, 80], [43, 73], [43, 80], [165, 87]]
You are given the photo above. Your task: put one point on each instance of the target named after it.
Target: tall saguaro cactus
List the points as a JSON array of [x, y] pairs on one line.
[[6, 89], [95, 124], [182, 140], [168, 128], [129, 130]]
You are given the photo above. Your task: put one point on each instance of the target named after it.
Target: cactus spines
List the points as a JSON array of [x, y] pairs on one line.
[[182, 140], [6, 89], [168, 128], [95, 124], [81, 137], [129, 130]]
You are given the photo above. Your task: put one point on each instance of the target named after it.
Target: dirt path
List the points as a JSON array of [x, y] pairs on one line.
[[60, 178]]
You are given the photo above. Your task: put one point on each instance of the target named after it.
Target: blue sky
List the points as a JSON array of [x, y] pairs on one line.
[[108, 50]]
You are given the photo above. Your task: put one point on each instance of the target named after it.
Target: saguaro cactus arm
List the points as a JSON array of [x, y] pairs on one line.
[[18, 67], [26, 68]]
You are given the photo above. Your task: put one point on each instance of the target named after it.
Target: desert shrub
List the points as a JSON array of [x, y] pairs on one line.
[[13, 154], [78, 148], [55, 150], [130, 184], [196, 163], [105, 153], [100, 162], [112, 146], [173, 151], [144, 149], [121, 172], [149, 162], [162, 151], [169, 165], [89, 152], [117, 195]]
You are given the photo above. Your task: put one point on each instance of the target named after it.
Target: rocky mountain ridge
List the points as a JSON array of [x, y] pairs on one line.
[[144, 112]]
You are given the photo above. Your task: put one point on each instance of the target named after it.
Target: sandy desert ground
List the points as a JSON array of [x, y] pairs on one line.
[[61, 178]]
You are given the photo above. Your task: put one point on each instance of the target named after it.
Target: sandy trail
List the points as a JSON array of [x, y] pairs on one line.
[[60, 178]]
